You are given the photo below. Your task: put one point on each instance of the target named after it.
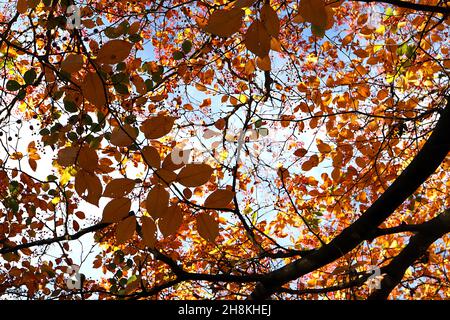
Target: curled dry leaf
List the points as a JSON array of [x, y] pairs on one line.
[[194, 175], [219, 199], [119, 188], [116, 210]]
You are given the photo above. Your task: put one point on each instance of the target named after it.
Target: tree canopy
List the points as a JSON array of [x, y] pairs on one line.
[[215, 149]]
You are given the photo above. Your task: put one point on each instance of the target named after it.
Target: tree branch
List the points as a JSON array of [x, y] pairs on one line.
[[412, 6], [423, 165]]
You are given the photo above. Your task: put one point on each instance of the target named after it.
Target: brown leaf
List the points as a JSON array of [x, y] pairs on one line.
[[257, 39], [123, 137], [157, 127], [87, 181], [148, 231], [219, 199], [176, 159], [125, 230], [194, 175], [313, 11], [157, 201], [151, 156], [72, 63], [87, 158], [114, 51], [119, 188], [67, 156], [270, 20], [93, 89], [116, 210], [224, 23], [171, 221], [207, 227]]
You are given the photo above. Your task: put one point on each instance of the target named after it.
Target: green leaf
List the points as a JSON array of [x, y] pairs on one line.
[[70, 106], [318, 31], [52, 177], [178, 55], [135, 38], [29, 76], [186, 46], [12, 85], [121, 88]]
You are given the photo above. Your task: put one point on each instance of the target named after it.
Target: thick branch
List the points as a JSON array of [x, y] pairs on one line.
[[412, 6], [417, 246], [423, 165]]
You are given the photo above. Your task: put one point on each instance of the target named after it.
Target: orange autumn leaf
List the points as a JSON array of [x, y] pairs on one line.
[[157, 201], [119, 188], [194, 174], [207, 227], [224, 23], [125, 230], [219, 199], [148, 231], [116, 210], [170, 221], [157, 127], [114, 51]]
